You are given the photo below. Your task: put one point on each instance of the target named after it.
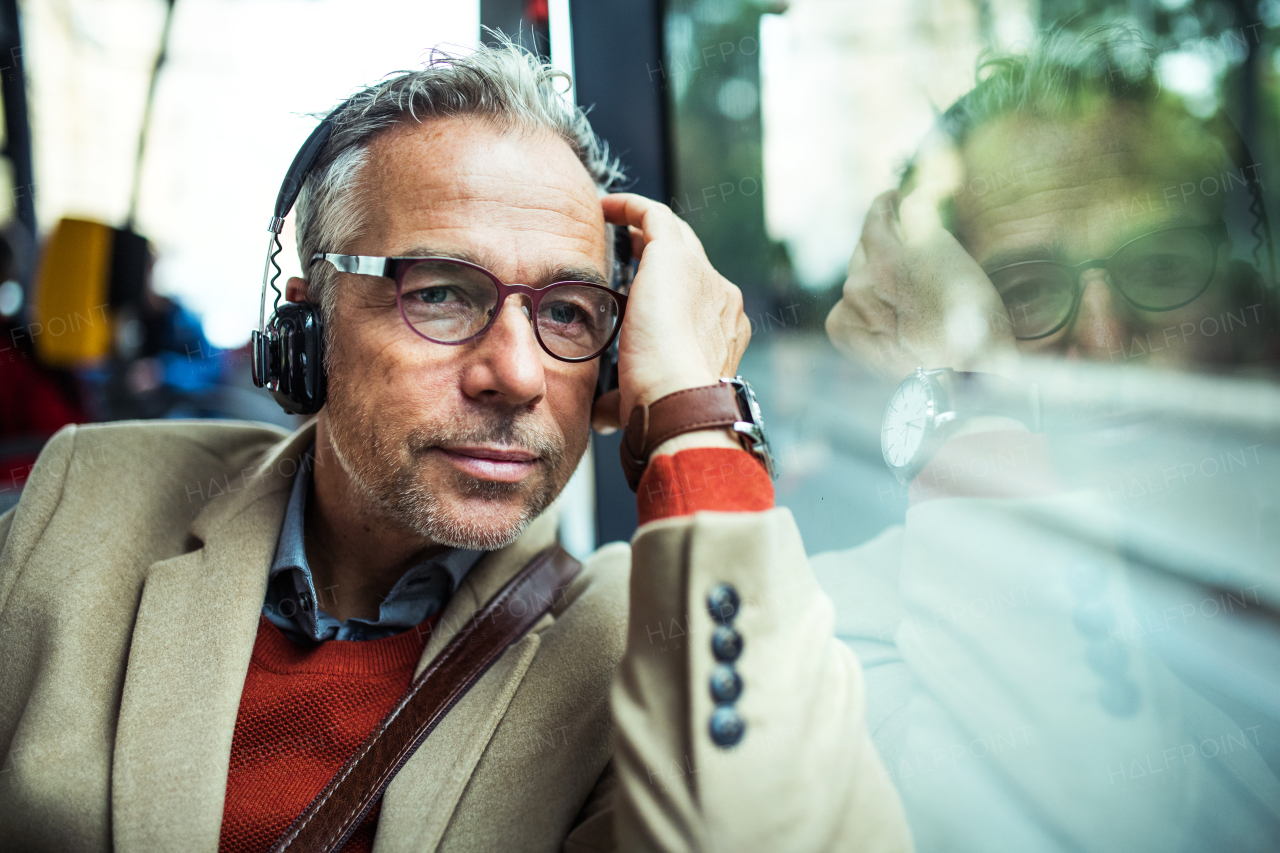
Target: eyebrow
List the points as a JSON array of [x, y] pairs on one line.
[[570, 272], [1058, 252]]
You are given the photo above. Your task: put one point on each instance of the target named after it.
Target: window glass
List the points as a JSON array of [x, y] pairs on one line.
[[1065, 596], [232, 106]]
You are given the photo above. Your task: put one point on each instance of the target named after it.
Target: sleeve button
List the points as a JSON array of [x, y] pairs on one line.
[[722, 603], [726, 726], [726, 684], [726, 644]]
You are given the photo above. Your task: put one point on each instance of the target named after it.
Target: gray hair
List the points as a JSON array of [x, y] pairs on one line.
[[504, 83], [1061, 75], [1066, 75]]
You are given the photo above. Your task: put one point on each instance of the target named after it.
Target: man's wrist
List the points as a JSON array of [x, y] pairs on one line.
[[699, 438], [656, 391], [709, 410], [987, 423]]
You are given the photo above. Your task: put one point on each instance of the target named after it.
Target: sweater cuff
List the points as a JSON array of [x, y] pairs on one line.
[[703, 478]]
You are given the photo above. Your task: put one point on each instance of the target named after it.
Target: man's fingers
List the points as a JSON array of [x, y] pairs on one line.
[[939, 171], [691, 239], [844, 328], [742, 340], [919, 217], [653, 218], [880, 231], [606, 414], [637, 241]]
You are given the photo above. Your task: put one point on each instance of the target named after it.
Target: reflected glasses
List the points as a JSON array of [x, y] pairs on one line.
[[1159, 271], [449, 301]]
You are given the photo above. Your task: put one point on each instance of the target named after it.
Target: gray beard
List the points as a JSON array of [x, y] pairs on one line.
[[395, 489]]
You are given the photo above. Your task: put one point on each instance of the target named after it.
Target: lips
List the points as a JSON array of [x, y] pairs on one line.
[[498, 464]]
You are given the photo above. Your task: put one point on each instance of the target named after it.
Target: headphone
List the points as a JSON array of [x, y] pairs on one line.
[[1233, 140], [288, 349]]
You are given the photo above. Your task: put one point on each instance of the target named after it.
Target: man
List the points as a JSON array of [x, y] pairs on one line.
[[1079, 173], [1030, 684], [201, 621]]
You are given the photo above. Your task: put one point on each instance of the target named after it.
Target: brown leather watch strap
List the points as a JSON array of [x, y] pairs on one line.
[[706, 407], [337, 810]]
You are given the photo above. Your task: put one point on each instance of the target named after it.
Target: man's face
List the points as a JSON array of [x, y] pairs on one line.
[[463, 444], [1079, 191]]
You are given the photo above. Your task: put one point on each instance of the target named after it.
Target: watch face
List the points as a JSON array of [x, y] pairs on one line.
[[905, 421]]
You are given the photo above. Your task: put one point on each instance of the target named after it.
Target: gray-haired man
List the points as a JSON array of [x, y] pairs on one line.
[[187, 673]]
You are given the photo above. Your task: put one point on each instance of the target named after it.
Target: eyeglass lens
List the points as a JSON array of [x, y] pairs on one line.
[[450, 302], [1158, 272]]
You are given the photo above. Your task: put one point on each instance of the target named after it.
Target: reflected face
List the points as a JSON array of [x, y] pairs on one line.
[[1089, 190], [463, 444]]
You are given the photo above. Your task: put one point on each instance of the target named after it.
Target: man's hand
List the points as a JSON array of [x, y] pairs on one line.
[[915, 298], [684, 326]]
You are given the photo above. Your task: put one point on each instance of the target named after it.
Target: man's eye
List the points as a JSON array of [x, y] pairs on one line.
[[562, 312], [1158, 265], [431, 295], [1025, 293]]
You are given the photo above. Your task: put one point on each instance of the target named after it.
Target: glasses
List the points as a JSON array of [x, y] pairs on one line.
[[1159, 271], [451, 302]]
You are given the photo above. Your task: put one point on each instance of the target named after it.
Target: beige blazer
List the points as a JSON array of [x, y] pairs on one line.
[[132, 574]]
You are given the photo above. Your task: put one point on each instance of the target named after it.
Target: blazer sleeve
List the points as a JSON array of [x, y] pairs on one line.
[[23, 525], [804, 775], [1045, 643]]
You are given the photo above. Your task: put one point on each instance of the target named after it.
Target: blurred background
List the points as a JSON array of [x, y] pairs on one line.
[[143, 145], [768, 126]]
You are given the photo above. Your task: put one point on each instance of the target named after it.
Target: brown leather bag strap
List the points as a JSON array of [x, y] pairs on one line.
[[337, 810]]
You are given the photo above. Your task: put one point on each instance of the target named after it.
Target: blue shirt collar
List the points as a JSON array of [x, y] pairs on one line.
[[296, 607]]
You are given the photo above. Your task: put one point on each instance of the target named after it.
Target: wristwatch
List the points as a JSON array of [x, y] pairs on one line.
[[730, 404], [930, 404]]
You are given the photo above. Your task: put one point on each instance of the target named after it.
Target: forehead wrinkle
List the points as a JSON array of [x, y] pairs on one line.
[[438, 164], [483, 257], [1089, 200], [466, 205], [1038, 212], [465, 242]]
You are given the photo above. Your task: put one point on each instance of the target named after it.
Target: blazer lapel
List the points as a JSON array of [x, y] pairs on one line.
[[193, 636], [192, 641], [420, 801]]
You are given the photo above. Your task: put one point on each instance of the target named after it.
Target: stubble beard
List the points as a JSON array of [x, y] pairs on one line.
[[387, 471]]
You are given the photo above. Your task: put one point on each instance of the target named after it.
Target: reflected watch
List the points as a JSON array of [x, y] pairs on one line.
[[930, 405], [729, 404]]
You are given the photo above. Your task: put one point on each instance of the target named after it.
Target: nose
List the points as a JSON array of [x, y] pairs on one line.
[[506, 361], [1099, 330]]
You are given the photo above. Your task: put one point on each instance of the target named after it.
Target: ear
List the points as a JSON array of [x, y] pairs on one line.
[[295, 290]]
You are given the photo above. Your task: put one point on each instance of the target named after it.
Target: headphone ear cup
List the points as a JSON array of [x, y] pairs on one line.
[[298, 329], [607, 378]]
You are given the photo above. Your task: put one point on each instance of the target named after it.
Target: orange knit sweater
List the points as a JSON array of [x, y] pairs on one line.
[[303, 713]]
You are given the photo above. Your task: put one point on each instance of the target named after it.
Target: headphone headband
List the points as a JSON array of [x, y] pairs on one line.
[[300, 168]]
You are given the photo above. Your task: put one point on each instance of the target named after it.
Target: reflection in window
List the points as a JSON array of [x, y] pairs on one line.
[[1063, 591]]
